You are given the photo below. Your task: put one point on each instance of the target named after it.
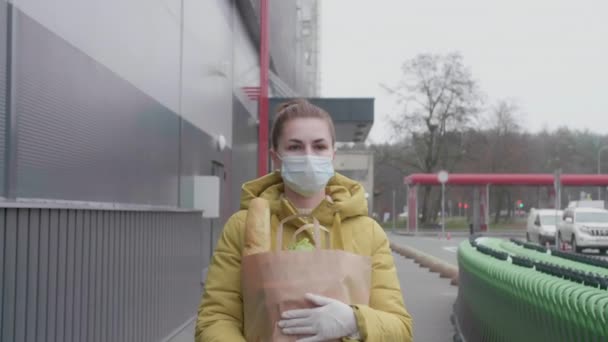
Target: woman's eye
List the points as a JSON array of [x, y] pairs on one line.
[[293, 148], [321, 147]]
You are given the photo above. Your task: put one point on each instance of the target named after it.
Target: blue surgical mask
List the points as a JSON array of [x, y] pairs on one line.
[[307, 175]]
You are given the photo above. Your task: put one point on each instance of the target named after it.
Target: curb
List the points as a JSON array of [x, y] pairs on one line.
[[504, 233], [434, 264]]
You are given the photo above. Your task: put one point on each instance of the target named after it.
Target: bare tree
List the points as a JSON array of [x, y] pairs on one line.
[[504, 149], [438, 98]]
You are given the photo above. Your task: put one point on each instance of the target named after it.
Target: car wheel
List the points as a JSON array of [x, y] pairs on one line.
[[575, 247], [559, 242], [527, 236], [602, 251]]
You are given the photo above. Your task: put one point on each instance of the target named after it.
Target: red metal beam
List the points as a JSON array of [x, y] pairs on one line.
[[508, 179], [263, 101]]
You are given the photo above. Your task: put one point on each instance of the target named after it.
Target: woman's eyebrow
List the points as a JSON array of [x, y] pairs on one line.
[[300, 141]]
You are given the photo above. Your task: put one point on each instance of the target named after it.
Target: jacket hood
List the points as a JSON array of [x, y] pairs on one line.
[[347, 198]]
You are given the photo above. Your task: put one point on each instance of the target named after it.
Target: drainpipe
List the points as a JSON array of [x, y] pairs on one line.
[[263, 100]]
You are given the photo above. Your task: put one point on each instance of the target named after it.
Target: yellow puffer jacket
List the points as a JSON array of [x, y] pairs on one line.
[[220, 315]]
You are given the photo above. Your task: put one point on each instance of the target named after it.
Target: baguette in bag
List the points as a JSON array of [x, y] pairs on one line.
[[257, 227], [277, 281]]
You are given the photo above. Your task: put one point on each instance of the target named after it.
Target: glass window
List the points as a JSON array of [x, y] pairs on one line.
[[592, 217], [549, 219]]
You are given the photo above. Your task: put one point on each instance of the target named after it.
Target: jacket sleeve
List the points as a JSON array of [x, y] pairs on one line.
[[385, 318], [220, 314]]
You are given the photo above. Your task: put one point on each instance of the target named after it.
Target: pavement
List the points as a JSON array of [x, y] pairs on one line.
[[443, 249], [428, 299]]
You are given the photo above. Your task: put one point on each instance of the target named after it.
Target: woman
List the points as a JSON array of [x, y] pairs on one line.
[[303, 139]]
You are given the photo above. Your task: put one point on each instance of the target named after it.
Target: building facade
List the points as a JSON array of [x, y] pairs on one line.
[[112, 114]]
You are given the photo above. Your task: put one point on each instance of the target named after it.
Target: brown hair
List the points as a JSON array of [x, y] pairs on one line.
[[298, 108]]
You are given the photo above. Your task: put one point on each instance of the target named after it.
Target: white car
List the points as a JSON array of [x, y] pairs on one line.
[[541, 225], [584, 228]]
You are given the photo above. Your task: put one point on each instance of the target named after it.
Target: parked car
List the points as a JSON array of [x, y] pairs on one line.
[[599, 204], [584, 228], [541, 225]]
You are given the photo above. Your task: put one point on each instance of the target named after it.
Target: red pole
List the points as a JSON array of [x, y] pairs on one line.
[[263, 101]]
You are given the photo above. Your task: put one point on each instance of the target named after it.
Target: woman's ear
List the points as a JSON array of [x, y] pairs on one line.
[[276, 161]]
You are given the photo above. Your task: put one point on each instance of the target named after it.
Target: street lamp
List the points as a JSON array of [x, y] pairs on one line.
[[599, 165]]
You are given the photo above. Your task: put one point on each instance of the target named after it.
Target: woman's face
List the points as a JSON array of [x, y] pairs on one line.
[[303, 136]]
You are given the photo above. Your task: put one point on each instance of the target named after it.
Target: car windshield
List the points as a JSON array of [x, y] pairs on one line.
[[592, 217], [549, 219]]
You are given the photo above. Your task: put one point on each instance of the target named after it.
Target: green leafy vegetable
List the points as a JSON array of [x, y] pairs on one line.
[[302, 245]]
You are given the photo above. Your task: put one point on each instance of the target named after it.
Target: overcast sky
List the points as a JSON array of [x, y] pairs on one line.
[[550, 56]]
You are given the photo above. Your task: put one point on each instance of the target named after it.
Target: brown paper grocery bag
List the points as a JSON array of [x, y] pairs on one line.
[[277, 281]]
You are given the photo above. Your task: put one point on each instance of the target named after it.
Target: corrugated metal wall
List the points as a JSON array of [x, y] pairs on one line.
[[82, 275], [83, 132], [86, 133], [3, 51]]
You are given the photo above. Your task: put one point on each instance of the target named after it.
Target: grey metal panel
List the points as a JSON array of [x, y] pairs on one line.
[[61, 274], [84, 275], [119, 295], [135, 294], [98, 279], [205, 242], [244, 152], [207, 59], [21, 276], [141, 284], [43, 277], [160, 284], [2, 247], [53, 289], [156, 274], [60, 309], [33, 273], [129, 302], [107, 268], [69, 288], [283, 42], [131, 299], [9, 277], [197, 151], [166, 284], [3, 80], [78, 319], [88, 271], [146, 276], [170, 298], [101, 28], [122, 310], [154, 280], [8, 280], [68, 106], [114, 276]]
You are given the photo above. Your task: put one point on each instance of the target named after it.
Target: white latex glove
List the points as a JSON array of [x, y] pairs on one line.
[[332, 319]]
